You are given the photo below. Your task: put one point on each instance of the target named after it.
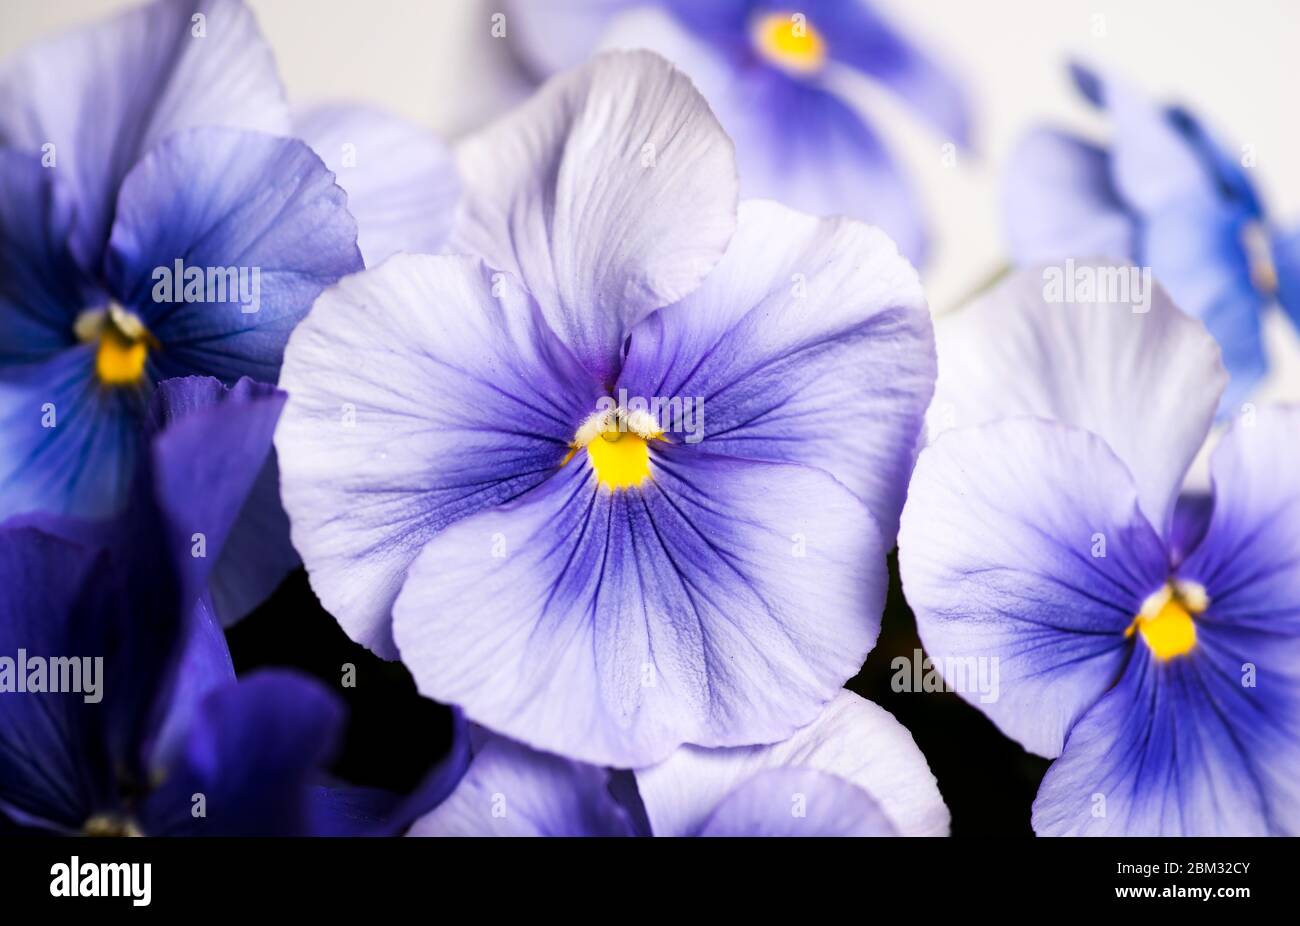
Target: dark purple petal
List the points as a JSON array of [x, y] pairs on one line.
[[105, 94], [226, 202]]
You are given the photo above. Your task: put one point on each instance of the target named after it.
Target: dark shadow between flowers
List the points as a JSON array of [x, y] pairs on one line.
[[393, 735], [987, 780]]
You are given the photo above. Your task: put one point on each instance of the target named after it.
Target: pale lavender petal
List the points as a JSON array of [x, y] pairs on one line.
[[797, 802], [1138, 373], [852, 739], [1025, 557], [400, 179], [722, 602], [420, 392], [810, 343], [610, 193]]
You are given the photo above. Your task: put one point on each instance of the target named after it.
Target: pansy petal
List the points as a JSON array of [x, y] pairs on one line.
[[722, 602], [1026, 347], [67, 445], [258, 554], [41, 287], [1191, 746], [1058, 201], [213, 444], [610, 193], [1153, 162], [400, 180], [858, 36], [253, 755], [1011, 569], [420, 392], [1286, 260], [797, 142], [796, 802], [104, 94], [554, 36], [809, 343], [263, 223], [1195, 250], [852, 739], [511, 790]]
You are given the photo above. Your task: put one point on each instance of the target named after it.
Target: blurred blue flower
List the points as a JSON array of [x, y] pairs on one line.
[[1161, 194], [853, 771], [168, 743], [1146, 637], [783, 80]]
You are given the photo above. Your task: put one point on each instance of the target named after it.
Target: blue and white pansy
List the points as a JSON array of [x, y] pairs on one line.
[[475, 481], [1148, 636]]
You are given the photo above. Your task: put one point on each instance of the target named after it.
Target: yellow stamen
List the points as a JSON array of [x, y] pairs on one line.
[[790, 42], [123, 344], [1165, 620], [621, 459]]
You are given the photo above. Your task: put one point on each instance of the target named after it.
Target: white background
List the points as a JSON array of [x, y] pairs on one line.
[[1233, 61]]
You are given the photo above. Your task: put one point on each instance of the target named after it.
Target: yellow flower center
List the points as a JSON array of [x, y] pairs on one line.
[[1165, 620], [618, 445], [1259, 258], [789, 41], [123, 343]]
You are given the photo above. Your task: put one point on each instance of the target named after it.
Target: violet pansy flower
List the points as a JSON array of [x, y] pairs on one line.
[[1162, 193], [1147, 637], [783, 79], [472, 482], [854, 771], [158, 737]]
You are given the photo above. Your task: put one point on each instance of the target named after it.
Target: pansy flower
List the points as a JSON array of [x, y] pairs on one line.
[[854, 771], [1147, 637], [475, 478], [159, 738], [784, 80], [1164, 194]]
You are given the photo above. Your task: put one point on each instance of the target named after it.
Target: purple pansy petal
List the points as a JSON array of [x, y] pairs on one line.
[[1184, 748], [417, 397], [254, 752], [1020, 349], [214, 442], [610, 193], [1249, 559], [1286, 259], [852, 739], [203, 666], [105, 94], [809, 343], [67, 445], [1001, 557], [796, 142], [560, 34], [796, 802], [511, 790], [70, 589], [41, 287], [400, 180], [722, 602], [1194, 248], [857, 36], [234, 201], [1153, 163], [1059, 201], [258, 554]]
